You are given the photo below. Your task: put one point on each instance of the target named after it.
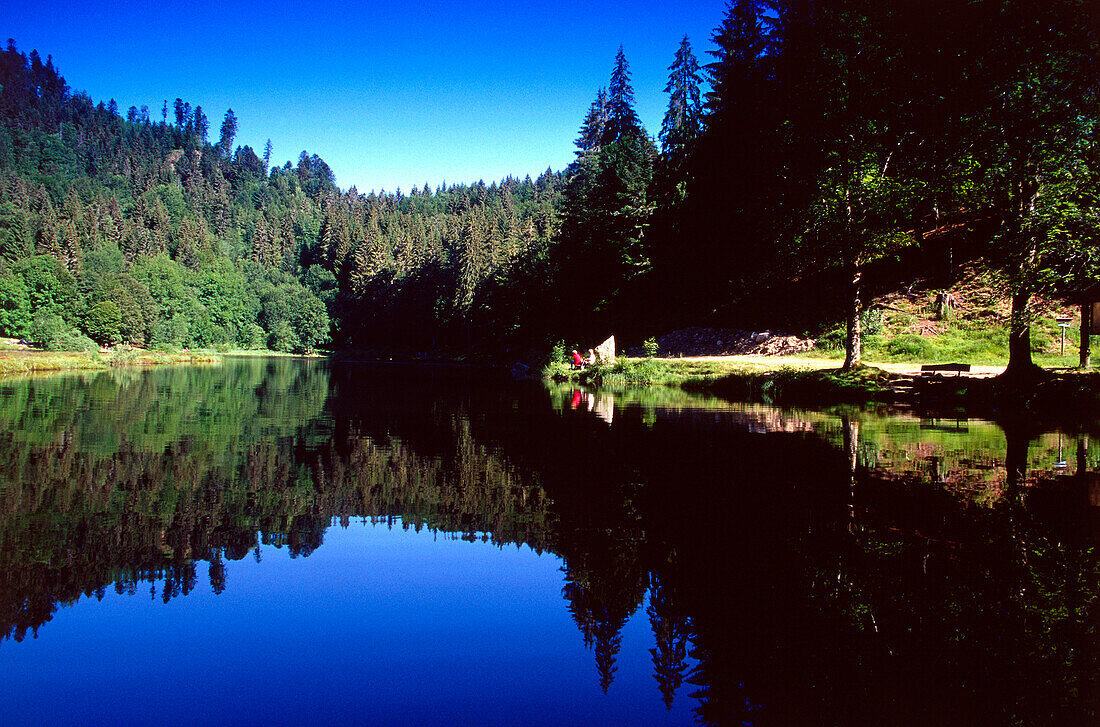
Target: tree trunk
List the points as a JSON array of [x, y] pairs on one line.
[[1082, 456], [851, 449], [853, 343], [1020, 364], [1086, 326], [1018, 438]]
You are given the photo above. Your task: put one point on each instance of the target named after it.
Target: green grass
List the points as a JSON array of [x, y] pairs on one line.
[[646, 371], [27, 362], [979, 337]]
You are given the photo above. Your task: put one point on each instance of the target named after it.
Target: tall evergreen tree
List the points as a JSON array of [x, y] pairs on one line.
[[202, 126], [592, 128], [683, 117], [739, 42], [228, 133], [606, 207], [622, 120], [728, 180]]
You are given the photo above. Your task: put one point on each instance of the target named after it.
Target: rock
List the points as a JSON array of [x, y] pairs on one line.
[[727, 341], [606, 350]]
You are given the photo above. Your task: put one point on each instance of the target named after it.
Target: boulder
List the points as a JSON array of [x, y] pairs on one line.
[[606, 350]]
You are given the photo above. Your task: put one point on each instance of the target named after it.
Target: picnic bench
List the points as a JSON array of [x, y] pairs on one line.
[[937, 370]]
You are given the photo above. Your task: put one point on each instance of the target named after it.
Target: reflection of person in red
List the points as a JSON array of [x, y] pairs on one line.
[[578, 360], [576, 398]]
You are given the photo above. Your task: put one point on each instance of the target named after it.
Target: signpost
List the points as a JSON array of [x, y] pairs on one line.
[[1063, 323]]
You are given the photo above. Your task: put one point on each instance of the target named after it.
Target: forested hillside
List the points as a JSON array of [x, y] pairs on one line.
[[821, 155], [146, 230]]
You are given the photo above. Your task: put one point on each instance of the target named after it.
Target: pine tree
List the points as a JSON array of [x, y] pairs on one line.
[[622, 121], [202, 126], [262, 243], [683, 118], [739, 43], [228, 133], [592, 128], [605, 207]]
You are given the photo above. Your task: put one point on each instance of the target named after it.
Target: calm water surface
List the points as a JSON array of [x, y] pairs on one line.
[[305, 542]]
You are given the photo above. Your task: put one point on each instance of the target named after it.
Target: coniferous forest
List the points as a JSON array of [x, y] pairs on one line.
[[810, 154]]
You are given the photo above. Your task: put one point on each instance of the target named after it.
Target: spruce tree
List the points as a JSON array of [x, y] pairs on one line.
[[622, 120], [592, 128], [683, 118], [606, 207], [739, 43], [202, 126], [228, 133]]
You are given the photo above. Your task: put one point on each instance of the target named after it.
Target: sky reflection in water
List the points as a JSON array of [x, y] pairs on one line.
[[380, 625]]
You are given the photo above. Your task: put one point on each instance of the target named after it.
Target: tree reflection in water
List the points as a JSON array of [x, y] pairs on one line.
[[795, 567]]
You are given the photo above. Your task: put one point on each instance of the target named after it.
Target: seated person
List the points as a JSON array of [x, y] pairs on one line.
[[591, 359], [578, 360]]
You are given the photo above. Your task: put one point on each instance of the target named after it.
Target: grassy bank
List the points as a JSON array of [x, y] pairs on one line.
[[769, 381], [1058, 395], [25, 362]]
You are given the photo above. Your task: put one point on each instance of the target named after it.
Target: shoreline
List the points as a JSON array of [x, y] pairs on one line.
[[18, 362], [1061, 394], [784, 381]]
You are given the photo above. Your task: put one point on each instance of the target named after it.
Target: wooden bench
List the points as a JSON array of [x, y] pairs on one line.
[[936, 370]]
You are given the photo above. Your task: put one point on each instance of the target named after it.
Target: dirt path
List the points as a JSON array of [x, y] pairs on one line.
[[801, 362]]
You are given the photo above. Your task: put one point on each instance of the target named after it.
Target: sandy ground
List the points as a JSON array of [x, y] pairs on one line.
[[799, 362]]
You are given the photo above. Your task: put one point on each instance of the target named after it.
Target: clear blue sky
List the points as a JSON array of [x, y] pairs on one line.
[[390, 94]]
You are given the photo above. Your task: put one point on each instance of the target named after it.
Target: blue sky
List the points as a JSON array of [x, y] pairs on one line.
[[390, 94]]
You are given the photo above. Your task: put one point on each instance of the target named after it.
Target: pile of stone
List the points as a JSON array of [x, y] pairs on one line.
[[699, 341]]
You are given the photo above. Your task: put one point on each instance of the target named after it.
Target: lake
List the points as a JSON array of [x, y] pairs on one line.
[[274, 540]]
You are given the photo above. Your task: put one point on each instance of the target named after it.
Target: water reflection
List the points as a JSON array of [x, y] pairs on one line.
[[791, 566]]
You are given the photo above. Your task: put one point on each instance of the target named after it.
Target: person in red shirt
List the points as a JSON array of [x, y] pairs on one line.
[[578, 360]]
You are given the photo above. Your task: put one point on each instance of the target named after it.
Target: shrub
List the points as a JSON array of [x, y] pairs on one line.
[[283, 338], [72, 340], [558, 352], [651, 347], [103, 321], [832, 339], [46, 328], [871, 321], [251, 336]]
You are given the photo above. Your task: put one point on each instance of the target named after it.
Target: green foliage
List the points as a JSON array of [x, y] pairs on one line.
[[559, 353], [188, 238], [872, 320], [172, 334], [102, 321], [72, 340], [13, 233], [283, 337], [832, 339], [252, 337], [50, 287], [651, 347], [15, 306], [45, 327]]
